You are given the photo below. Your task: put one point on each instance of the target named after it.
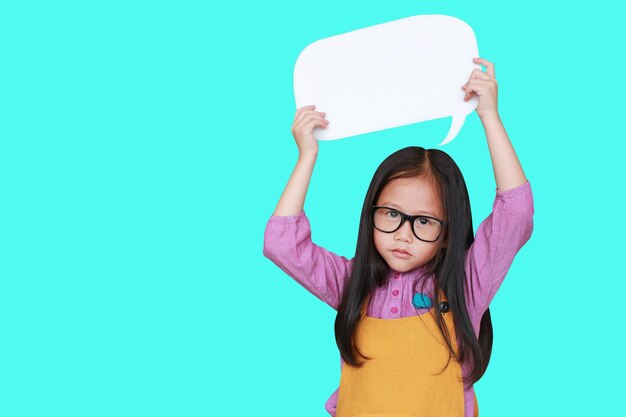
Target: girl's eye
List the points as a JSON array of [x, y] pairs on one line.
[[392, 214], [424, 221]]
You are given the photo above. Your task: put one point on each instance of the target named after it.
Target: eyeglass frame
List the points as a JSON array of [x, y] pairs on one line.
[[404, 217]]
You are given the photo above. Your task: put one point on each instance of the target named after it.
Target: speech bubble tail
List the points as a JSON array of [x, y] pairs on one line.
[[455, 127]]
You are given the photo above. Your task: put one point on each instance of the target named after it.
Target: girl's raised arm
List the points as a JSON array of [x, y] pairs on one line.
[[292, 200], [506, 166], [287, 240], [509, 226]]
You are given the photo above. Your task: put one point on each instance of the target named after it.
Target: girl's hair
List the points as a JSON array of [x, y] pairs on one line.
[[369, 269]]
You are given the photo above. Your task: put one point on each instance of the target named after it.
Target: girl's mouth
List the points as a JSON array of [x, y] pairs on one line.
[[400, 254]]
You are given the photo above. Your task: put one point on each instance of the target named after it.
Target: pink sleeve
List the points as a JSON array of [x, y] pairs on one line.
[[287, 243], [498, 239]]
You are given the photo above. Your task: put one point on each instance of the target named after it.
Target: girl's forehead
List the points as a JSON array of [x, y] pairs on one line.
[[412, 196]]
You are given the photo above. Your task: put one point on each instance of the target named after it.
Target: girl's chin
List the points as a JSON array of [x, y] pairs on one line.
[[400, 265]]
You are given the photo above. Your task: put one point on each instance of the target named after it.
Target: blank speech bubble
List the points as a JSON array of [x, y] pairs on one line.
[[393, 74]]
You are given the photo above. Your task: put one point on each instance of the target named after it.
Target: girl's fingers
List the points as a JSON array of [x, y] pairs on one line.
[[491, 70], [317, 121], [477, 75], [469, 88], [308, 119], [473, 87], [302, 110], [480, 74], [307, 112], [312, 106]]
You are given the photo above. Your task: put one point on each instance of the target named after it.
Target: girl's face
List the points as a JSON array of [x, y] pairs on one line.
[[412, 196]]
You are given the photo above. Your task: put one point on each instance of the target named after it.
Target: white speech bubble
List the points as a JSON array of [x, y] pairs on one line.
[[393, 74]]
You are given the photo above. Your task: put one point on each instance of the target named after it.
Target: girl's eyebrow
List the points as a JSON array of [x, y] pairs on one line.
[[401, 209]]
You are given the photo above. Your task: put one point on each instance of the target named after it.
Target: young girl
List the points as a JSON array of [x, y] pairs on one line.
[[414, 300]]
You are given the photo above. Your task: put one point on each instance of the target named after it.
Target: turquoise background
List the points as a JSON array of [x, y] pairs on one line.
[[144, 146]]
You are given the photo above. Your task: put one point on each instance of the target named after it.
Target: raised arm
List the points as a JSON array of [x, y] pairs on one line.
[[292, 200], [287, 239], [506, 166], [509, 226]]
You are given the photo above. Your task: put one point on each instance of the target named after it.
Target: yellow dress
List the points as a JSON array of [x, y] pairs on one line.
[[403, 378]]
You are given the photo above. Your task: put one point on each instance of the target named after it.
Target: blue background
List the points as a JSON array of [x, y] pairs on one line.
[[144, 146]]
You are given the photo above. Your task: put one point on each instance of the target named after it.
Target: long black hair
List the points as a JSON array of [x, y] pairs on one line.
[[369, 269]]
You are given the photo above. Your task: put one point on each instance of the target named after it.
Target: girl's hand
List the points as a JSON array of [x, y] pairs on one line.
[[485, 86], [305, 121]]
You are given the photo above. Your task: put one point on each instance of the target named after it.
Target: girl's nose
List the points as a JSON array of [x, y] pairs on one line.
[[404, 232]]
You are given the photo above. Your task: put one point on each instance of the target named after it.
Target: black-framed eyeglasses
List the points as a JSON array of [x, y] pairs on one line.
[[425, 228]]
